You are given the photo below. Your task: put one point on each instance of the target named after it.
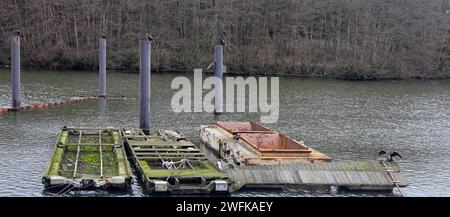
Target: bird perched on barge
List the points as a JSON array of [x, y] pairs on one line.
[[388, 156]]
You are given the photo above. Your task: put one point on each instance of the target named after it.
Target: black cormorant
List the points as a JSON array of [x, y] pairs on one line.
[[389, 157], [150, 38], [19, 33], [221, 42]]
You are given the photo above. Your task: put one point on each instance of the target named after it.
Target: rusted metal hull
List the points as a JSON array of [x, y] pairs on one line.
[[247, 143]]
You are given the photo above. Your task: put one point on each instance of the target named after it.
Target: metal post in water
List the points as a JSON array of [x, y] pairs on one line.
[[145, 74], [218, 99], [102, 66], [15, 70]]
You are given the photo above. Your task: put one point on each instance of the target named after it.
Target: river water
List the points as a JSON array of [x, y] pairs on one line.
[[347, 120]]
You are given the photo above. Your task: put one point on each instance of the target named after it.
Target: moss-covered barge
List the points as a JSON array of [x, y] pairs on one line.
[[88, 158], [169, 163]]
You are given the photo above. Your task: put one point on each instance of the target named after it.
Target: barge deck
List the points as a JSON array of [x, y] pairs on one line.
[[357, 175], [168, 163], [88, 158], [248, 143]]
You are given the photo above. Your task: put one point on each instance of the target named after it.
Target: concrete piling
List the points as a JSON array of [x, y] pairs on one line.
[[145, 76], [15, 71], [218, 100], [102, 67]]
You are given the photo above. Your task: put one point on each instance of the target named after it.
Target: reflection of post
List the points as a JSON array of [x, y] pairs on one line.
[[102, 110], [217, 117], [145, 64], [15, 71], [218, 99], [102, 66]]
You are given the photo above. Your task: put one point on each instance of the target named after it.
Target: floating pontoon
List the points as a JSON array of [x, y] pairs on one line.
[[355, 175], [167, 162], [263, 158], [88, 158]]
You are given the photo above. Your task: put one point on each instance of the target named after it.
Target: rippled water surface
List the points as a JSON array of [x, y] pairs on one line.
[[347, 120]]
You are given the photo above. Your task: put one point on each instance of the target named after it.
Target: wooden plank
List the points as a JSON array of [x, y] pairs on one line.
[[90, 144], [93, 129], [78, 154], [168, 144], [101, 153], [167, 149], [168, 154], [172, 158], [143, 136], [340, 174]]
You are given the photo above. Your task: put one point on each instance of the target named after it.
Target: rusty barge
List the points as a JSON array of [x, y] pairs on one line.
[[248, 143], [259, 157]]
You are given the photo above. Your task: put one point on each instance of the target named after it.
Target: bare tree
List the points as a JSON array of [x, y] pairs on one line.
[[354, 39]]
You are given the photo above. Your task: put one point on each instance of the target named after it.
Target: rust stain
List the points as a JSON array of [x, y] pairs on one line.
[[240, 127], [273, 143], [16, 39]]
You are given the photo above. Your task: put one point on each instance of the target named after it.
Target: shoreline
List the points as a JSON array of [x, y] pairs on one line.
[[328, 76]]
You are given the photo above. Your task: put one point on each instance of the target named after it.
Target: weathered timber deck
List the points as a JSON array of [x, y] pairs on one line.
[[351, 175]]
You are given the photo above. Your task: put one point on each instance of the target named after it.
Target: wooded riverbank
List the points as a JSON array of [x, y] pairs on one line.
[[343, 39], [343, 74]]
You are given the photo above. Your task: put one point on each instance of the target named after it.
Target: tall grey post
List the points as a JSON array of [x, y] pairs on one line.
[[102, 66], [145, 74], [15, 72], [218, 99]]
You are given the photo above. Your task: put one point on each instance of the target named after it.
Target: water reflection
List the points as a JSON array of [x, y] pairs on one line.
[[102, 109], [345, 120]]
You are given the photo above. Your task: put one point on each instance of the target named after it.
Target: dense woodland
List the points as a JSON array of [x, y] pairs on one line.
[[348, 39]]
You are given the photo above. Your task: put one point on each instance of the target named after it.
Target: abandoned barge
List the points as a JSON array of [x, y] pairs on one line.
[[248, 143], [259, 157], [169, 163], [88, 158]]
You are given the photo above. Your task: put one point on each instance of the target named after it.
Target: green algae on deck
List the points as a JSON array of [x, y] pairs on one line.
[[56, 161], [168, 159], [96, 154], [164, 173], [89, 161]]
